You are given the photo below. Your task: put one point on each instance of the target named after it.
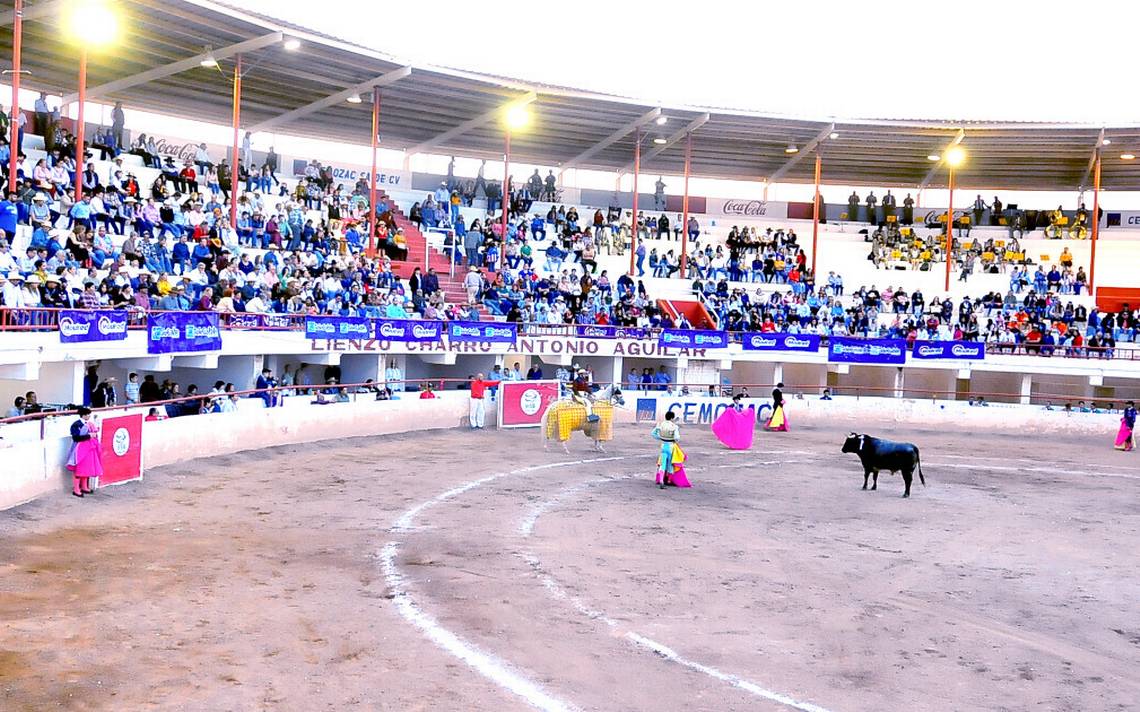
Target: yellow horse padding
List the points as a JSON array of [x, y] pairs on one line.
[[565, 416]]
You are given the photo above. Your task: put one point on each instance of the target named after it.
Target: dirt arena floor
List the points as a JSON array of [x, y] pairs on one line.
[[453, 570]]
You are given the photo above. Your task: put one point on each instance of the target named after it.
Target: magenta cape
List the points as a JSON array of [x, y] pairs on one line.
[[735, 429]]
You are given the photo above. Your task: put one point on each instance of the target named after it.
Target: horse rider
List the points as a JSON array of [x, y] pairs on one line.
[[580, 392]]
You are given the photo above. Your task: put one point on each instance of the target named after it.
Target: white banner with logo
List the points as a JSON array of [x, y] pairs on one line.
[[746, 209]]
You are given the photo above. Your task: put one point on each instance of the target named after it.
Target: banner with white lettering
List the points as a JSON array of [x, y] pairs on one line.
[[347, 175], [964, 350], [611, 332], [337, 327], [79, 326], [244, 320], [177, 332], [844, 349], [686, 339], [746, 209], [486, 332], [753, 341], [407, 330]]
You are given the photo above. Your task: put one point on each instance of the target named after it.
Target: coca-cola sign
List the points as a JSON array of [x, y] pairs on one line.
[[753, 209], [180, 151]]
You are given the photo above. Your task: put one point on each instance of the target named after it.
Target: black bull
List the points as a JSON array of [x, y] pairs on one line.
[[878, 454]]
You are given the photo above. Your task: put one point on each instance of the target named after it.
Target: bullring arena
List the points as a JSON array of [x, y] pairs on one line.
[[423, 571], [405, 358]]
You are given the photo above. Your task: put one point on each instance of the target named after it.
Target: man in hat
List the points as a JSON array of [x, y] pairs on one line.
[[580, 391], [473, 283]]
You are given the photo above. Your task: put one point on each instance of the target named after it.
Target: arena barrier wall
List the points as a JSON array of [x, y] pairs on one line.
[[34, 468]]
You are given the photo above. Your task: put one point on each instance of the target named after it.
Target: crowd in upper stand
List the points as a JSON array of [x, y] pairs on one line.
[[300, 250]]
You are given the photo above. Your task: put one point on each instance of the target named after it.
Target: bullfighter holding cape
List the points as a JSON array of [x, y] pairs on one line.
[[736, 426], [779, 419], [670, 463], [1124, 437]]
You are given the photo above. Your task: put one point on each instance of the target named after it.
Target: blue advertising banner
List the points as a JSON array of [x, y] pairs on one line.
[[686, 339], [966, 350], [407, 330], [611, 332], [175, 332], [844, 349], [337, 327], [487, 332], [79, 326], [753, 341]]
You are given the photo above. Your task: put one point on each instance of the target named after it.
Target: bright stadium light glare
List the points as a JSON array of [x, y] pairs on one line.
[[662, 120], [955, 157], [209, 61], [292, 44], [92, 23], [933, 157], [660, 141], [834, 135], [792, 148], [518, 117], [1127, 156], [354, 99]]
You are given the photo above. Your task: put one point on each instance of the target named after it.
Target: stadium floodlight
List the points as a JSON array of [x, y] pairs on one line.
[[518, 117], [662, 120], [292, 44], [955, 156], [1127, 156], [792, 148], [94, 24], [933, 157], [209, 61], [1105, 142], [834, 135], [354, 99], [660, 141]]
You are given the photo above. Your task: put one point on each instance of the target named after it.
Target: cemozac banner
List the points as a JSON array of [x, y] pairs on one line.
[[746, 209], [487, 332], [686, 339], [245, 320], [405, 330], [842, 349], [611, 332], [176, 332], [337, 327], [80, 326], [780, 342], [967, 350]]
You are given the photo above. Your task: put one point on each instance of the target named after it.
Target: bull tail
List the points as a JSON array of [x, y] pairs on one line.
[[918, 464]]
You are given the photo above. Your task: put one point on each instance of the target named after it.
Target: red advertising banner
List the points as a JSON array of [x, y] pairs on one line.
[[121, 447], [522, 403]]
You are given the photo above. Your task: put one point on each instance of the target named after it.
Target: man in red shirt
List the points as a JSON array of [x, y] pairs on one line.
[[478, 410]]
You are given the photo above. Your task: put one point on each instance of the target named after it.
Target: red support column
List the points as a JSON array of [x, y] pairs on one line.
[[14, 143], [1095, 225], [373, 220], [80, 154], [685, 206], [815, 213], [234, 160], [633, 227], [505, 198], [950, 230]]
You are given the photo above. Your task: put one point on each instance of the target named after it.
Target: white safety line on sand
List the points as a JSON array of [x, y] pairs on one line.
[[555, 589], [1039, 470], [485, 664]]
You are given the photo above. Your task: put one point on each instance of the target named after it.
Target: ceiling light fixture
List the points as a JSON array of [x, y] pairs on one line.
[[1127, 156], [662, 120], [354, 99], [834, 135], [934, 157], [1105, 142], [792, 148], [209, 61], [292, 44], [660, 141]]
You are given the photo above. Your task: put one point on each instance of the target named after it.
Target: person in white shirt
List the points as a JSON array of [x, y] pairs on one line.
[[7, 261], [12, 290], [198, 275], [257, 306], [394, 377]]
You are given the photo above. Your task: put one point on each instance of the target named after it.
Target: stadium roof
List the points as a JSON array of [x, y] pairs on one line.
[[156, 68]]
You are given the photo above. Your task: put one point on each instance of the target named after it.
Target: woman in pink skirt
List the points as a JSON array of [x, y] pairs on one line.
[[85, 460]]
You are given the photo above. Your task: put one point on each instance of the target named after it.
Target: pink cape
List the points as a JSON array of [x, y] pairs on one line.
[[734, 429]]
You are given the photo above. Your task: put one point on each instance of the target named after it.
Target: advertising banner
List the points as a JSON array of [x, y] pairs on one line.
[[522, 403], [486, 332], [746, 209], [81, 326], [120, 445], [408, 330], [685, 339], [753, 341], [177, 332], [257, 321], [611, 332], [337, 327], [965, 350], [843, 349]]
